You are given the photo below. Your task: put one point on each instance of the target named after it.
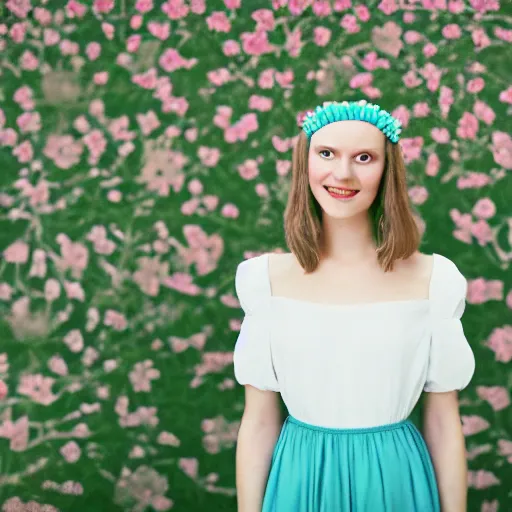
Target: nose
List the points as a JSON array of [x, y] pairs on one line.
[[343, 170]]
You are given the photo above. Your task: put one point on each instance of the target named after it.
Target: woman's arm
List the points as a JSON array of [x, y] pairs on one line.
[[445, 441], [259, 430]]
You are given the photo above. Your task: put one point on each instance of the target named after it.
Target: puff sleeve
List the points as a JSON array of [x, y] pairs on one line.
[[451, 361], [252, 356]]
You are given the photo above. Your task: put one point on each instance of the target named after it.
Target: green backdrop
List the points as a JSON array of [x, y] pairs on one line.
[[145, 149]]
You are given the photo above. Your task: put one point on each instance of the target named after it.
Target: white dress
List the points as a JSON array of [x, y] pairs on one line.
[[352, 365]]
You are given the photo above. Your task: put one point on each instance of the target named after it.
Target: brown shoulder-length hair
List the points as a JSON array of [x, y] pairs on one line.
[[394, 228]]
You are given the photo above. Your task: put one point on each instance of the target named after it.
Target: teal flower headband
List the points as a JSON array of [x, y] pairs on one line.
[[332, 111]]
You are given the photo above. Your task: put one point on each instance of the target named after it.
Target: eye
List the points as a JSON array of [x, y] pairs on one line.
[[365, 158], [324, 151]]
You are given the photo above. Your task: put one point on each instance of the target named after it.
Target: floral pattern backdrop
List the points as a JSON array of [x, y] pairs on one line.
[[145, 149]]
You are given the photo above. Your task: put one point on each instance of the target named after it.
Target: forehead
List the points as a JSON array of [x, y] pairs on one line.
[[348, 135]]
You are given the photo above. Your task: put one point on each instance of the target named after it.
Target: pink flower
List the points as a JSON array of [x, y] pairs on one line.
[[360, 80], [412, 37], [482, 232], [24, 152], [18, 31], [482, 479], [255, 43], [230, 211], [74, 8], [171, 60], [96, 144], [388, 6], [500, 342], [468, 126], [17, 432], [218, 22], [63, 150], [418, 194], [24, 97], [43, 16], [387, 38], [144, 6], [440, 135], [136, 21], [402, 114], [28, 61], [506, 95], [411, 148], [480, 290], [321, 8], [71, 452], [115, 320], [362, 12], [473, 180], [93, 51], [429, 50], [475, 85], [483, 112], [503, 34], [421, 109], [148, 122], [50, 37], [456, 6], [260, 103], [29, 122], [133, 43], [231, 48], [249, 169], [74, 340], [4, 390], [322, 36], [38, 388], [233, 4], [100, 78], [473, 425], [159, 30], [103, 6], [175, 9], [108, 29], [484, 208], [209, 156], [497, 396], [142, 375], [433, 165], [266, 79], [502, 149], [20, 8], [452, 31], [480, 39], [17, 252], [349, 23]]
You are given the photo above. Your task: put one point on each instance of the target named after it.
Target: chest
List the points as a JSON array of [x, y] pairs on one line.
[[351, 286]]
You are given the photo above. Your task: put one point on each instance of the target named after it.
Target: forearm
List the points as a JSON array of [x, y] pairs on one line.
[[255, 445], [446, 445]]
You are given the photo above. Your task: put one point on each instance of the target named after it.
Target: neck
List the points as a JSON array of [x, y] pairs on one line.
[[348, 241]]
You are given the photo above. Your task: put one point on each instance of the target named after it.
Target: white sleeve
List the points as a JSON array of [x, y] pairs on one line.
[[252, 356], [451, 362]]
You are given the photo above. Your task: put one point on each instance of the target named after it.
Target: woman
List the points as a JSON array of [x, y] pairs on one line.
[[350, 328]]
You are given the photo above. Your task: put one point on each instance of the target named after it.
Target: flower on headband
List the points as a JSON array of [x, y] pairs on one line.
[[332, 111]]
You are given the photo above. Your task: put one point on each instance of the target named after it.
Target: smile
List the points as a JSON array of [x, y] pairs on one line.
[[341, 193]]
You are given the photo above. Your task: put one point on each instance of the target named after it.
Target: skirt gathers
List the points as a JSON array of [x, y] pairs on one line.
[[377, 469]]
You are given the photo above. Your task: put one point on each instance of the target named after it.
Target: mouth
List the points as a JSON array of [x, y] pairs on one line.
[[341, 193]]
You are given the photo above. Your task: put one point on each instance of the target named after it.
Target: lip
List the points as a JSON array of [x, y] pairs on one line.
[[342, 188]]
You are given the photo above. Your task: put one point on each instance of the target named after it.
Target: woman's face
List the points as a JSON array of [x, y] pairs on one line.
[[346, 155]]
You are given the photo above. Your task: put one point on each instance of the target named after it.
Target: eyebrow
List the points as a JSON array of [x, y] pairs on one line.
[[333, 149]]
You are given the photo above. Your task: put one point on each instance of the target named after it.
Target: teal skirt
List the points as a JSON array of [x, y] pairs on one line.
[[378, 469]]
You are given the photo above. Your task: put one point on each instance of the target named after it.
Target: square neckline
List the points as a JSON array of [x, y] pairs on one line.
[[404, 302]]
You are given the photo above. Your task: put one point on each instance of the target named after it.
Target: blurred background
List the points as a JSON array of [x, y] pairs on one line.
[[145, 149]]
